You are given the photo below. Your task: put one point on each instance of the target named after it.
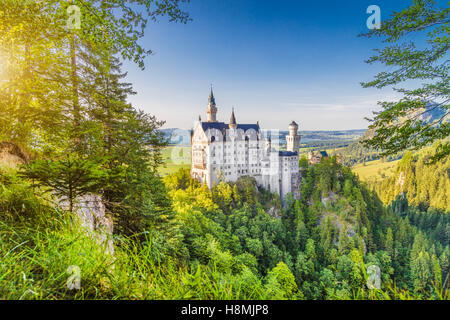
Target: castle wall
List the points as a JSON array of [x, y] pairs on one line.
[[228, 160], [289, 169]]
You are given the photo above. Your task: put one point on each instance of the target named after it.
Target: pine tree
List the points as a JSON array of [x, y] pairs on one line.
[[67, 178]]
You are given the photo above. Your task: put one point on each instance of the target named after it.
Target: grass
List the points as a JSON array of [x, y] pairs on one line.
[[39, 244], [334, 151], [175, 158], [35, 264], [375, 170]]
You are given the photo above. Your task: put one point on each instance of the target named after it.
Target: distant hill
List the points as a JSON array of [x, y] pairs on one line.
[[314, 136], [432, 113], [182, 136], [423, 185], [177, 136], [356, 153]]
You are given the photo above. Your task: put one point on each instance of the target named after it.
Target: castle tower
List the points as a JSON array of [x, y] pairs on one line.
[[293, 139], [211, 110], [233, 124], [268, 146]]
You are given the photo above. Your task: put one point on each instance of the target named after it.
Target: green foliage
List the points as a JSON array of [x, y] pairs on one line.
[[280, 283], [36, 254], [325, 247], [68, 178], [425, 186], [64, 94], [400, 125], [53, 71], [252, 249], [357, 153]]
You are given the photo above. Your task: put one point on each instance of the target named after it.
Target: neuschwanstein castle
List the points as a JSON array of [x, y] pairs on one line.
[[227, 151]]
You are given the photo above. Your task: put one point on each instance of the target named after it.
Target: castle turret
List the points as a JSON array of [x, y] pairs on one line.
[[268, 146], [293, 128], [233, 123], [211, 110], [293, 139]]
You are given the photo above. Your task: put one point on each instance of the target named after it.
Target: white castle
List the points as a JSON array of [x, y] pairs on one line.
[[222, 151]]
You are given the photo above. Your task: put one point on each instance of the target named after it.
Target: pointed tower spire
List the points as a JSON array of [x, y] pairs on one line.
[[233, 120], [211, 97], [211, 110]]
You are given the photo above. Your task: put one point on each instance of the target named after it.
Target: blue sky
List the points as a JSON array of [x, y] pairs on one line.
[[274, 61]]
